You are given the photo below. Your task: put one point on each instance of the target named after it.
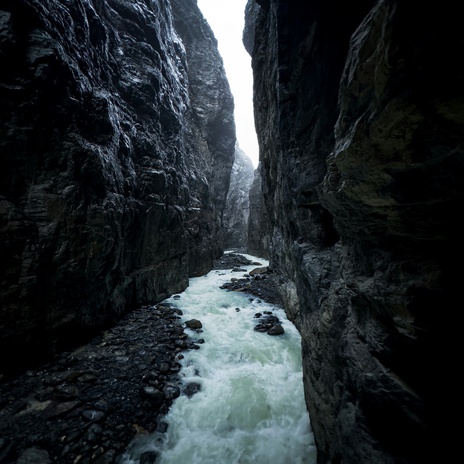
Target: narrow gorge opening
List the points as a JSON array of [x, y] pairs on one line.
[[227, 21]]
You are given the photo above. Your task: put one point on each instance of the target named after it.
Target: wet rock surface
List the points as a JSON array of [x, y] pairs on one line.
[[237, 208], [268, 323], [258, 220], [88, 404], [117, 141], [261, 282]]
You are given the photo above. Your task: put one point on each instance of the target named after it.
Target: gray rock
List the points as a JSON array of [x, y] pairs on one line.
[[93, 414], [194, 324], [259, 271], [191, 388], [171, 391], [276, 329], [238, 202], [34, 456], [258, 221]]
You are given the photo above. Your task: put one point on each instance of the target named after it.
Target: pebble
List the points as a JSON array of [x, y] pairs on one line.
[[34, 456], [99, 393]]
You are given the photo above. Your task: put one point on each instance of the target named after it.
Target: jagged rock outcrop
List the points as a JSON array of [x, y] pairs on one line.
[[116, 144], [251, 15], [238, 202], [359, 115]]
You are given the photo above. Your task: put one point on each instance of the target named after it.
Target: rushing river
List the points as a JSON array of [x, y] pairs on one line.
[[250, 408]]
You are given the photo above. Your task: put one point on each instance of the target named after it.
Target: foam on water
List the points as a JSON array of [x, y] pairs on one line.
[[250, 408]]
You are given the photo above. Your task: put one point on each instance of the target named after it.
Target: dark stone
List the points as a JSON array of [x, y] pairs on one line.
[[162, 427], [238, 202], [149, 457], [191, 388], [276, 329], [358, 111], [194, 324], [258, 238], [265, 286], [231, 260], [117, 145], [34, 456], [171, 391], [251, 14], [259, 271], [93, 415]]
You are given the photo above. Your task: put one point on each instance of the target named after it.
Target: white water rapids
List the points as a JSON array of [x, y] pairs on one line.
[[250, 408]]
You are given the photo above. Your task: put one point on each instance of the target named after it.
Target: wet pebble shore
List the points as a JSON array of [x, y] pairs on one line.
[[86, 405]]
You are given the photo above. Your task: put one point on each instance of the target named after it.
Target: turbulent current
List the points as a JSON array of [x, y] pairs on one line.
[[250, 407]]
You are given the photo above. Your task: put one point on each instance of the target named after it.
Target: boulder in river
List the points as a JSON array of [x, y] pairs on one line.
[[194, 324]]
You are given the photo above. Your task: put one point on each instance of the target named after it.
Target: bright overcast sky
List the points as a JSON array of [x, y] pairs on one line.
[[226, 18]]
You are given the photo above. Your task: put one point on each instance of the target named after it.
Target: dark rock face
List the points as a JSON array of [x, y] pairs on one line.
[[113, 178], [237, 208], [251, 14], [209, 135], [360, 122], [258, 238]]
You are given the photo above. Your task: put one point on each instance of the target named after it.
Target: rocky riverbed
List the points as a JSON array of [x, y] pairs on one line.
[[262, 282], [87, 405]]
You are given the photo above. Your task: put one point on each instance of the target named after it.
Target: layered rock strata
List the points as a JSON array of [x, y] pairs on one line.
[[116, 143], [360, 121]]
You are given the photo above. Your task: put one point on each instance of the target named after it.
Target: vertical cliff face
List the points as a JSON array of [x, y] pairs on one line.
[[360, 121], [209, 132], [258, 236], [115, 161], [236, 213]]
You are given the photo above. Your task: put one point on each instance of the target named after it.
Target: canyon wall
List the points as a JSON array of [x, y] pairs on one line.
[[360, 118], [209, 135], [258, 237], [237, 210], [116, 142]]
